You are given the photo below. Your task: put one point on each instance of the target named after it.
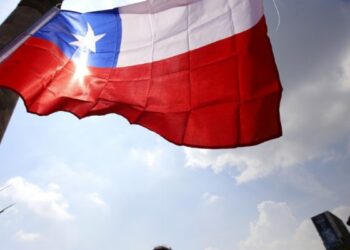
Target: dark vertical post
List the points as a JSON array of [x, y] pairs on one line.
[[27, 13]]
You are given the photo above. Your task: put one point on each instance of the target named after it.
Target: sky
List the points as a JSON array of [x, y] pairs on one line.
[[100, 183]]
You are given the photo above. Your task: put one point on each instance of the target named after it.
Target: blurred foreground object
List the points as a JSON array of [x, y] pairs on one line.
[[162, 248], [3, 210], [332, 230]]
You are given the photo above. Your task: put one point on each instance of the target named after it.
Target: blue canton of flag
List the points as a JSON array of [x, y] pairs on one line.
[[98, 33]]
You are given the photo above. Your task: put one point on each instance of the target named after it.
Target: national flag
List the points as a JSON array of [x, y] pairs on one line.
[[200, 73]]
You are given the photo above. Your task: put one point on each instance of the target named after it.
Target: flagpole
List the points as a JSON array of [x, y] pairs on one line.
[[21, 19]]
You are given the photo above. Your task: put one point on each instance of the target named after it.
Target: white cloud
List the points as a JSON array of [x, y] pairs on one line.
[[27, 237], [212, 248], [315, 118], [277, 228], [97, 200], [306, 237], [68, 174], [149, 157], [48, 203], [345, 72], [271, 231], [203, 158], [342, 212], [210, 198]]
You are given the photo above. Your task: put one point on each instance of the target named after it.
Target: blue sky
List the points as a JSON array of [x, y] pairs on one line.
[[100, 183]]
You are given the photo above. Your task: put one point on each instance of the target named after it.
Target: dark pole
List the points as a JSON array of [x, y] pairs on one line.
[[27, 12]]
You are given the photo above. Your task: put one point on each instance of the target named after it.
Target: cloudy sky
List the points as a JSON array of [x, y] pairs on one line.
[[100, 183]]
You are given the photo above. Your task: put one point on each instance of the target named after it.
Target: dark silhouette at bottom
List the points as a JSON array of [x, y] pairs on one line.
[[162, 248]]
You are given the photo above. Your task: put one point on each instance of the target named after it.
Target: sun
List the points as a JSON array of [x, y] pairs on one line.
[[85, 46]]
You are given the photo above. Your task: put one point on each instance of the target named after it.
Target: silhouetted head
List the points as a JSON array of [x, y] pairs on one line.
[[348, 221], [162, 248]]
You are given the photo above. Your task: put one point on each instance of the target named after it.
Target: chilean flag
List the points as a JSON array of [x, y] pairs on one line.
[[200, 73]]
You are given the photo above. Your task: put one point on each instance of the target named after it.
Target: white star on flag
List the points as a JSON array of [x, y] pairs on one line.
[[87, 42]]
